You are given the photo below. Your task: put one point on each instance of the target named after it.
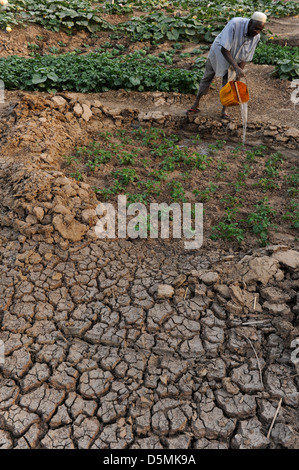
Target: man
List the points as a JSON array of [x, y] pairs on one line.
[[233, 47]]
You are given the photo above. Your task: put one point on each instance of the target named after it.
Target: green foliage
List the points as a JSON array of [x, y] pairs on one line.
[[166, 153], [103, 156], [273, 164], [269, 53], [54, 50], [293, 182], [258, 151], [228, 231], [219, 144], [292, 214], [54, 15], [77, 175], [217, 9], [93, 72], [287, 69], [125, 176], [261, 220], [157, 26], [272, 170], [149, 137], [127, 158], [69, 159], [107, 193], [177, 191], [116, 9], [267, 184], [206, 194], [202, 161], [204, 19], [9, 15], [241, 176], [229, 228], [286, 59]]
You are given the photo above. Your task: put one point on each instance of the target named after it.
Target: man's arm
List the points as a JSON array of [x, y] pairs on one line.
[[238, 67]]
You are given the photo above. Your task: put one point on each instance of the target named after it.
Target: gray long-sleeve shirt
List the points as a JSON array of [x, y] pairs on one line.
[[233, 38]]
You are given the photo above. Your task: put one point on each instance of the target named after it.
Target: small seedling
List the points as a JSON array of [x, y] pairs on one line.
[[125, 176], [77, 175], [261, 220], [54, 50], [69, 159]]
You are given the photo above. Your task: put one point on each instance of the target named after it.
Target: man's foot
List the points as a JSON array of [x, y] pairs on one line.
[[192, 111], [225, 116]]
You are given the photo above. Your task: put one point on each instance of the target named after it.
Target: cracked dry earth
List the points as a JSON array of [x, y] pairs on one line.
[[131, 344]]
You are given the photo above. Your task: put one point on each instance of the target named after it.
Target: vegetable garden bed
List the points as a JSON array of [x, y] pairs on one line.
[[158, 46]]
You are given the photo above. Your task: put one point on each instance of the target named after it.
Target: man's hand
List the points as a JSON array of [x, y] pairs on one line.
[[238, 67], [239, 73]]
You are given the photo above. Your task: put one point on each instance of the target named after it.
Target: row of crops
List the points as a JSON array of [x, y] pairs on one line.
[[71, 14]]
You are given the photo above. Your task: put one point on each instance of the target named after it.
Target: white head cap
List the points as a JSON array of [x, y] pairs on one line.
[[259, 16]]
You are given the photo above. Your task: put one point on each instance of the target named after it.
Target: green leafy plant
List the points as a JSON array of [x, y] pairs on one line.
[[151, 187], [261, 220], [54, 15], [69, 159], [201, 161], [258, 151], [108, 193], [219, 144], [33, 46], [77, 175], [206, 194], [103, 156], [293, 181], [125, 176], [241, 176], [54, 50], [228, 230], [223, 166], [273, 164], [116, 9], [292, 214], [127, 158], [136, 197], [267, 184], [177, 191]]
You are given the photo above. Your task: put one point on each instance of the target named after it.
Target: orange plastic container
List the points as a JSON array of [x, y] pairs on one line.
[[232, 96]]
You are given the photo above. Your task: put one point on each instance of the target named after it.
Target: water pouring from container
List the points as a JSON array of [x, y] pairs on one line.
[[244, 113], [235, 93]]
